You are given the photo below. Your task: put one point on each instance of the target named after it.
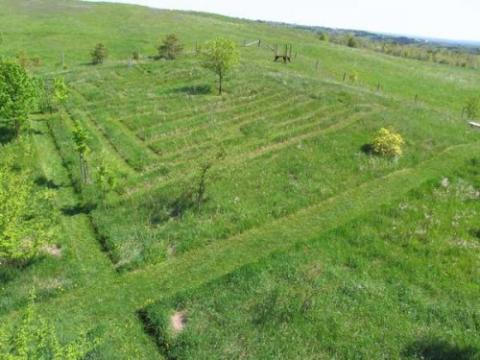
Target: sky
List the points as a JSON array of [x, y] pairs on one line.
[[443, 19]]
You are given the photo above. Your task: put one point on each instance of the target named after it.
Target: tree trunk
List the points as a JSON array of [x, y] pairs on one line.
[[16, 124], [220, 84]]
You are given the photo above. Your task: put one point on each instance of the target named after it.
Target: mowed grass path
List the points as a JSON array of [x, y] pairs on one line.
[[114, 299], [166, 126]]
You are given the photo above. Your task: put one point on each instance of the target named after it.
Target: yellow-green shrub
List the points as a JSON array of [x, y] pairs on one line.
[[387, 143]]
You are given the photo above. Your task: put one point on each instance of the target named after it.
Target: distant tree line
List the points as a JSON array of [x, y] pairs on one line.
[[424, 52]]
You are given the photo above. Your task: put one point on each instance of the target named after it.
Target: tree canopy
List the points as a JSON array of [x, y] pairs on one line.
[[17, 95], [219, 56]]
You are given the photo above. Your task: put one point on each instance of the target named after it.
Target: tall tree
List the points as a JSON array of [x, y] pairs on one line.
[[17, 94], [220, 56]]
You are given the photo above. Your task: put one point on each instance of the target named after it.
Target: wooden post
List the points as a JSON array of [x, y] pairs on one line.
[[344, 76], [378, 86], [259, 42]]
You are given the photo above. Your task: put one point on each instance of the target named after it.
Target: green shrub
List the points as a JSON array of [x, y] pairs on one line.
[[17, 94], [472, 109], [352, 41], [99, 54], [35, 338], [26, 216], [170, 47], [60, 91], [353, 77], [323, 36], [387, 143]]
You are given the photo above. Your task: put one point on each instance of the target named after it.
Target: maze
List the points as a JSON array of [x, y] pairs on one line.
[[287, 170]]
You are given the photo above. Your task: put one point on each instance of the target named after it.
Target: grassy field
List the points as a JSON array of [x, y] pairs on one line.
[[307, 246]]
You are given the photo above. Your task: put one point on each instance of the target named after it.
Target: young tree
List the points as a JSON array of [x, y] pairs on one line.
[[80, 139], [220, 56], [17, 95], [34, 337], [60, 90], [26, 217], [99, 54], [105, 178], [170, 47]]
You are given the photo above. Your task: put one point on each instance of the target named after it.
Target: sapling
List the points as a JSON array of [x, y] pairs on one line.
[[80, 139], [219, 56]]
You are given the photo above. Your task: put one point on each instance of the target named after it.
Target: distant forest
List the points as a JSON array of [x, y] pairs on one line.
[[453, 53]]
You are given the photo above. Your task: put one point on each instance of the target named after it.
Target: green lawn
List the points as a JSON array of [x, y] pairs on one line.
[[306, 246], [379, 286]]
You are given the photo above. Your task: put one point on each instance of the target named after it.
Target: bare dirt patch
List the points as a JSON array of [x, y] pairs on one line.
[[178, 321], [52, 250]]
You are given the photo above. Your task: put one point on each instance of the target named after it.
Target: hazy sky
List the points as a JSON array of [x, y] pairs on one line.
[[448, 19]]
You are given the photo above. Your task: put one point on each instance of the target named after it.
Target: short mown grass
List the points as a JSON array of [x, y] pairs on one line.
[[399, 282]]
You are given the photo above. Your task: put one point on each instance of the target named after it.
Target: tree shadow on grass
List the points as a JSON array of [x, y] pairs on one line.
[[42, 181], [12, 269], [7, 274], [166, 209], [7, 134], [194, 90], [440, 350], [78, 209], [475, 233], [367, 149]]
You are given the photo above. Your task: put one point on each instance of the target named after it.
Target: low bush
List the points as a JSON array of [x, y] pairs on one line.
[[472, 108], [170, 47], [99, 54], [387, 143], [36, 338], [26, 216]]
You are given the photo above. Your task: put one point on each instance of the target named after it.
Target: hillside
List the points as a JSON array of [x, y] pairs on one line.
[[304, 245]]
